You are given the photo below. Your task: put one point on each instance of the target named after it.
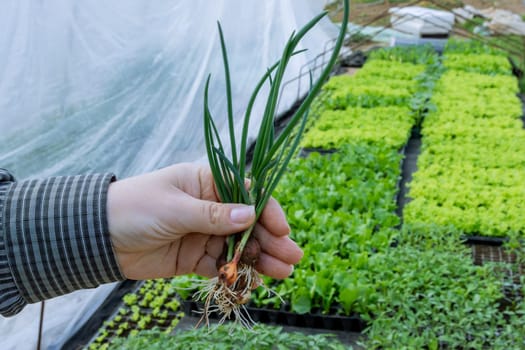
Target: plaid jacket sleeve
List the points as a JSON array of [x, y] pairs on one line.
[[53, 238]]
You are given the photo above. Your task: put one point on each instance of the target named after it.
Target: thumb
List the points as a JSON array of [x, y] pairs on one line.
[[217, 218]]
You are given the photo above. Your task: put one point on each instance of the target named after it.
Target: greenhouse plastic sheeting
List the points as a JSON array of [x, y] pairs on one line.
[[118, 86]]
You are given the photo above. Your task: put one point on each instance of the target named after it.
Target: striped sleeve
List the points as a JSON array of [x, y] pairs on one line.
[[11, 302], [56, 235]]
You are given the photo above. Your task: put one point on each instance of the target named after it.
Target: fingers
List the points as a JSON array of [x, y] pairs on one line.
[[267, 265], [279, 253], [214, 246], [196, 215], [281, 248], [192, 249], [206, 267], [198, 253], [272, 267], [274, 219]]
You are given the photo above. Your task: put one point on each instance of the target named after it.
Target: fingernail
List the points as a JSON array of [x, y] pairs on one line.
[[241, 215]]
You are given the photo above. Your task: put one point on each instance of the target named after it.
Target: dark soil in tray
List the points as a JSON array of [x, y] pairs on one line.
[[408, 167], [482, 254], [522, 98]]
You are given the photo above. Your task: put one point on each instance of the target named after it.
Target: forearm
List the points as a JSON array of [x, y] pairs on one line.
[[56, 238]]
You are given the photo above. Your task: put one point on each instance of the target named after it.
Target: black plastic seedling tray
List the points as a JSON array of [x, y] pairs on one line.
[[282, 317]]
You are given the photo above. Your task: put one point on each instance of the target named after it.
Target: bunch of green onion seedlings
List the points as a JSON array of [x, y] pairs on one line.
[[237, 277]]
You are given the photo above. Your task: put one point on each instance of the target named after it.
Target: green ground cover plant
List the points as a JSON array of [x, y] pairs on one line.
[[472, 48], [480, 63], [390, 77], [446, 121], [483, 220], [153, 305], [482, 154], [425, 292], [364, 91], [473, 151], [352, 206], [481, 105], [432, 299], [424, 54], [509, 46], [380, 103], [476, 94], [386, 69], [229, 337], [389, 125]]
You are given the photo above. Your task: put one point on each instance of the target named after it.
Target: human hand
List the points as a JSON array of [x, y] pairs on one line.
[[169, 222]]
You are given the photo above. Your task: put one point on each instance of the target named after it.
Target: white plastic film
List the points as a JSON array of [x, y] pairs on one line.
[[119, 87], [90, 86]]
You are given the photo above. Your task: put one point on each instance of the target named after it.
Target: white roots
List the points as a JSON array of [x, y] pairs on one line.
[[229, 301]]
